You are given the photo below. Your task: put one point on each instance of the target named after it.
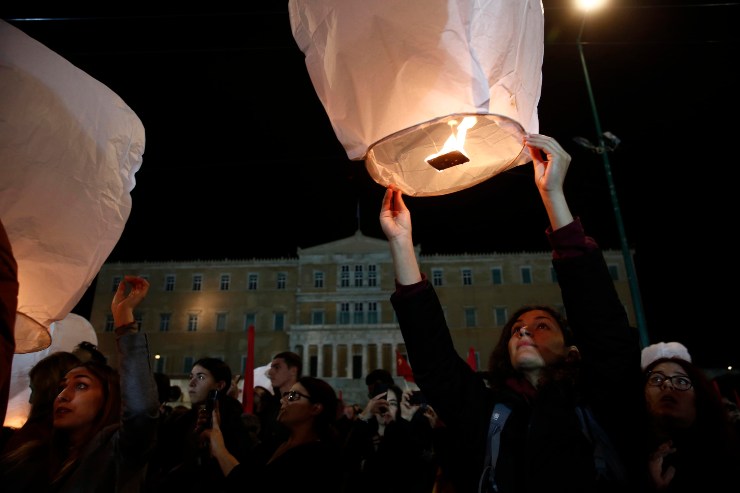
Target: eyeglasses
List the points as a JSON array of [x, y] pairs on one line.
[[679, 382], [294, 395]]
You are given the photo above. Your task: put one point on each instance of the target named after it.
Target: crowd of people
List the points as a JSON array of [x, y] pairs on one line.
[[565, 405]]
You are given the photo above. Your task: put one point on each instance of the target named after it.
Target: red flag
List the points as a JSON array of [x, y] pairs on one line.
[[248, 391], [472, 360], [403, 368]]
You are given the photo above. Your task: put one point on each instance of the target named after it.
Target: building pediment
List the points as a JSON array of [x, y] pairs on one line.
[[355, 244]]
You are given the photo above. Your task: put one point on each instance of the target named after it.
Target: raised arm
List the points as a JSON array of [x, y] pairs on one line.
[[123, 304], [549, 175], [395, 219], [139, 397], [609, 347]]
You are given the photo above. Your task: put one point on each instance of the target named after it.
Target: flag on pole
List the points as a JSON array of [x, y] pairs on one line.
[[472, 360], [358, 215], [248, 391], [403, 368]]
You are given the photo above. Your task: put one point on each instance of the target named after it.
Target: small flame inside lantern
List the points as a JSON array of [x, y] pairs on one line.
[[453, 151]]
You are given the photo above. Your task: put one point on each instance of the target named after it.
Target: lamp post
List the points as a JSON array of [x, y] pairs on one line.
[[602, 149]]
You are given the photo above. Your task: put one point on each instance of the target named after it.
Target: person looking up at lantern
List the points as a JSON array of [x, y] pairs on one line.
[[691, 444], [567, 389]]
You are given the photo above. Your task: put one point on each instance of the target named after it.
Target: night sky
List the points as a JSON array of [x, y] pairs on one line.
[[241, 160]]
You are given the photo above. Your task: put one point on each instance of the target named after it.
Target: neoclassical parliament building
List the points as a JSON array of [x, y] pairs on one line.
[[330, 304]]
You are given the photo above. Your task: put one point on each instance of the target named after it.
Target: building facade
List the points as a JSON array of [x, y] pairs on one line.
[[330, 304]]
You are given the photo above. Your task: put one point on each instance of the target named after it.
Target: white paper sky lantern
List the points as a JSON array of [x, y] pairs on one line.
[[434, 95], [69, 149]]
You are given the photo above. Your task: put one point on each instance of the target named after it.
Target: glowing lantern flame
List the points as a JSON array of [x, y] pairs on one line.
[[453, 151]]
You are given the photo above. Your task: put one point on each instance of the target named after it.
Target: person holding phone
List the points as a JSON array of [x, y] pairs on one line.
[[389, 447], [307, 460], [209, 407], [182, 462]]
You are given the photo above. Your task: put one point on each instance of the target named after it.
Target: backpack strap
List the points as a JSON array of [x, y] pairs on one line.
[[607, 463], [499, 416]]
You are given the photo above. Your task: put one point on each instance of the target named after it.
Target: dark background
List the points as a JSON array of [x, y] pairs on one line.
[[241, 160]]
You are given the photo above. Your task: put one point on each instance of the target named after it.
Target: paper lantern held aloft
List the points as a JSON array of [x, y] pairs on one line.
[[434, 95]]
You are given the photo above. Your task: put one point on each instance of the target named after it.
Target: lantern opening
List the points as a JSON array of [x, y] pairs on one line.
[[426, 160]]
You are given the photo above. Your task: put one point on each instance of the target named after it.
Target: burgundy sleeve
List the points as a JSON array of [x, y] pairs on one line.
[[8, 307], [570, 240], [409, 290]]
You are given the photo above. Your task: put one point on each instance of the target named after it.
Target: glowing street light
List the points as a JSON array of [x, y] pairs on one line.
[[602, 148], [588, 5]]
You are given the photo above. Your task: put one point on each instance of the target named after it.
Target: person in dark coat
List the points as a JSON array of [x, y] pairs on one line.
[[389, 447], [307, 460], [104, 424], [182, 462], [691, 444], [554, 375]]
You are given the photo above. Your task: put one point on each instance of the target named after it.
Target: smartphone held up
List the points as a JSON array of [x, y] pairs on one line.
[[210, 406]]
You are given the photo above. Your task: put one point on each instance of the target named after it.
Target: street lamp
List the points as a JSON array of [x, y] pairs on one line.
[[602, 148]]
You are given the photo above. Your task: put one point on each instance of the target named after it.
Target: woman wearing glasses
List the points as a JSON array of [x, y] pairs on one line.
[[308, 459], [389, 446], [690, 443]]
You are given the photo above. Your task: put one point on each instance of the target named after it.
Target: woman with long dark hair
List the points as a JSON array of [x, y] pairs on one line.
[[691, 444], [557, 408], [308, 459], [104, 420]]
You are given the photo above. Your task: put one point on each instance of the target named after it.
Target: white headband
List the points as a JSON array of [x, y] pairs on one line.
[[663, 350]]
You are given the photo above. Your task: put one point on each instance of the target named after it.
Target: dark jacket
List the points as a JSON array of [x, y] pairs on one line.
[[542, 445], [402, 460], [309, 467], [182, 461]]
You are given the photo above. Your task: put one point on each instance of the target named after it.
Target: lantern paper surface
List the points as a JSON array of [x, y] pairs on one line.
[[398, 78], [261, 379], [69, 150]]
